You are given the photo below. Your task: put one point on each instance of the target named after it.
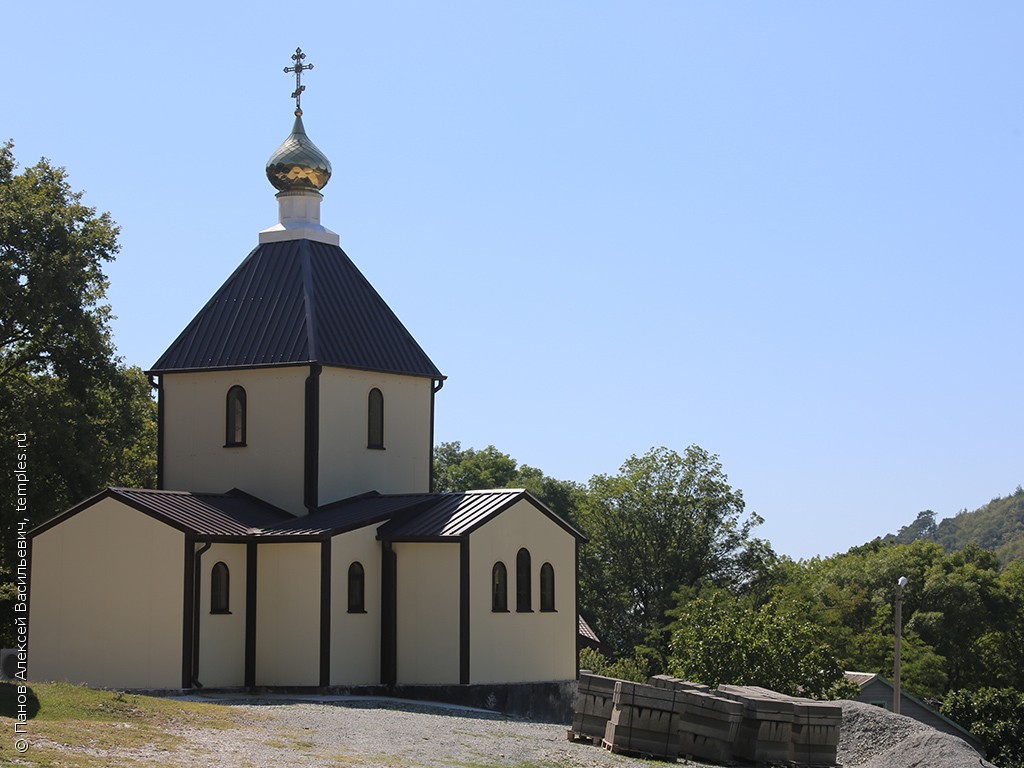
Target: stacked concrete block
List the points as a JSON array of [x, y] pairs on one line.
[[645, 721], [667, 681], [814, 734], [766, 728], [593, 706]]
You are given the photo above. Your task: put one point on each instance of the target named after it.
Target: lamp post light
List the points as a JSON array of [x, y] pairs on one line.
[[899, 644]]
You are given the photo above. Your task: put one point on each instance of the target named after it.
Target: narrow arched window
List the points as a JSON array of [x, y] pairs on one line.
[[375, 419], [499, 588], [547, 587], [235, 417], [356, 589], [219, 589], [524, 596]]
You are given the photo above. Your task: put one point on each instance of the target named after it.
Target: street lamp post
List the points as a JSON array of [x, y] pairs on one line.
[[899, 644]]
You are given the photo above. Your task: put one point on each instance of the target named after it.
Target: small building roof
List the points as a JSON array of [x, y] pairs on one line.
[[294, 302]]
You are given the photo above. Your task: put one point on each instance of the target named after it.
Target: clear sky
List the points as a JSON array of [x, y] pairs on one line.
[[790, 232]]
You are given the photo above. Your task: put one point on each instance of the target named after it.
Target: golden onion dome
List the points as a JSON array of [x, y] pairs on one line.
[[298, 164]]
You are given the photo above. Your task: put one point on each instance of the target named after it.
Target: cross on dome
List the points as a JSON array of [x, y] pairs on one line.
[[298, 57]]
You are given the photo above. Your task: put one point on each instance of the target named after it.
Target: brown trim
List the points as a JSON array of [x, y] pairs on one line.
[[388, 614], [250, 614], [311, 447], [576, 600], [188, 610], [464, 613], [434, 389], [198, 601], [295, 364], [325, 613], [160, 441]]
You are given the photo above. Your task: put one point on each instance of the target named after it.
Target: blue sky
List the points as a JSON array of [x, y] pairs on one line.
[[791, 233]]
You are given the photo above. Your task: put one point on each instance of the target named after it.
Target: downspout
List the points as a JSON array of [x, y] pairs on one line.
[[157, 383], [195, 618], [438, 383]]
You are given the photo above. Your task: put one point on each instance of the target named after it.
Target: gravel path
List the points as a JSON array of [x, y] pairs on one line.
[[397, 734]]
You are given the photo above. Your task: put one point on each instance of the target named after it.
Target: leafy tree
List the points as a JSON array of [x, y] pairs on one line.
[[996, 716], [87, 419], [465, 469], [635, 668], [665, 521], [719, 637]]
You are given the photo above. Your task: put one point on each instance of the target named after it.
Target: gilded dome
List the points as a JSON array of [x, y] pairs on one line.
[[298, 164]]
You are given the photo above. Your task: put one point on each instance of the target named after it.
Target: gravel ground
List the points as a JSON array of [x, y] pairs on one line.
[[396, 734]]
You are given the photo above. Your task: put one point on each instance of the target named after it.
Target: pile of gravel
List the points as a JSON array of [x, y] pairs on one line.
[[872, 737], [314, 731]]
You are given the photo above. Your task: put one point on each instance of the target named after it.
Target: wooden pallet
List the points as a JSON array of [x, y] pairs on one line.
[[583, 738], [617, 750]]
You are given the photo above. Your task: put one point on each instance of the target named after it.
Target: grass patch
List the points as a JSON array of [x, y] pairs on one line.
[[76, 727]]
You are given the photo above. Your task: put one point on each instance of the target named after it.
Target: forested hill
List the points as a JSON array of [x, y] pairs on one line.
[[998, 526]]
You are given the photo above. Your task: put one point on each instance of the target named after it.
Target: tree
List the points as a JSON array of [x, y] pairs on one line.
[[996, 716], [719, 637], [84, 419], [465, 469], [665, 521]]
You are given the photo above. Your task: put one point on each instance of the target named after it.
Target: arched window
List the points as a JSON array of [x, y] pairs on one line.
[[219, 589], [235, 417], [547, 587], [375, 419], [524, 596], [499, 588], [356, 589]]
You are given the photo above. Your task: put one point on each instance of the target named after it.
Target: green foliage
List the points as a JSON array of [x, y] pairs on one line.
[[465, 469], [635, 668], [665, 521], [997, 526], [88, 420], [996, 716], [719, 637]]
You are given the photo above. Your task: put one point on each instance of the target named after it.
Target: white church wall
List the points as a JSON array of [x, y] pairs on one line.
[[107, 600], [522, 647], [347, 466], [428, 612], [222, 635], [355, 637], [288, 614], [269, 465]]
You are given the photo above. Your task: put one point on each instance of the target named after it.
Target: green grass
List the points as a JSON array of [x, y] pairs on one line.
[[71, 726]]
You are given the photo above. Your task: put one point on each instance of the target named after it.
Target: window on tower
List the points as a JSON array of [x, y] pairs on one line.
[[235, 417], [375, 419]]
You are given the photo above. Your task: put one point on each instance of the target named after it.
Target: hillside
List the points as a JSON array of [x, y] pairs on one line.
[[996, 526]]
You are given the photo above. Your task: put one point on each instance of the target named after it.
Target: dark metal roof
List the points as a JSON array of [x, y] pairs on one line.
[[451, 515], [405, 517], [291, 302], [349, 514]]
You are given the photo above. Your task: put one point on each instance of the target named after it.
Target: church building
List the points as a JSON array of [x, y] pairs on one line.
[[294, 539]]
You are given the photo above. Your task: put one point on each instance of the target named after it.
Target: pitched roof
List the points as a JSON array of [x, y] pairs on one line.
[[293, 302], [228, 514], [452, 515], [237, 515]]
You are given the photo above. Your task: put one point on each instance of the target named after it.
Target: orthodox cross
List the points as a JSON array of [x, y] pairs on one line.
[[298, 69]]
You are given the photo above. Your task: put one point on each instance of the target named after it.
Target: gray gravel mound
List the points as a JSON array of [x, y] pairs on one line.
[[872, 737]]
